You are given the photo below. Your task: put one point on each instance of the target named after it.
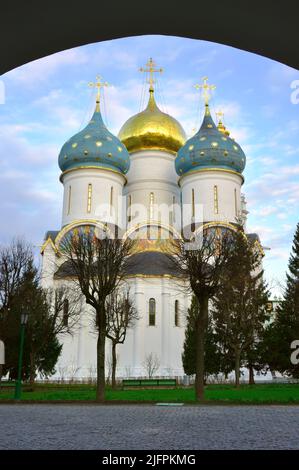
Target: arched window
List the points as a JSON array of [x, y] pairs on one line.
[[215, 199], [172, 212], [151, 206], [236, 203], [193, 205], [89, 196], [69, 201], [152, 312], [129, 212], [65, 312], [111, 200], [176, 313], [192, 211]]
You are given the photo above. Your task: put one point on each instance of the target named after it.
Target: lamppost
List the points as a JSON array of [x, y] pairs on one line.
[[24, 319]]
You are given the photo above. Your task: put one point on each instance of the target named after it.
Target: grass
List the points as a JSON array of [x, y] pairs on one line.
[[254, 394]]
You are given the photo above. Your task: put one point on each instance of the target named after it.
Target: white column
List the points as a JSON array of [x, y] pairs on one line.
[[165, 326], [82, 326], [138, 336]]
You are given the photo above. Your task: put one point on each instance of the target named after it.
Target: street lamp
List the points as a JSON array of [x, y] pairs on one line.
[[24, 319]]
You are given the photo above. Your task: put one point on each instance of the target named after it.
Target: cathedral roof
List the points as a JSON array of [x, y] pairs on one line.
[[210, 147], [149, 263], [152, 130], [52, 234], [94, 146]]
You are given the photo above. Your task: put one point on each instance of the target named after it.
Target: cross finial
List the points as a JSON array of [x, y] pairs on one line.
[[220, 115], [205, 89], [98, 84], [151, 69]]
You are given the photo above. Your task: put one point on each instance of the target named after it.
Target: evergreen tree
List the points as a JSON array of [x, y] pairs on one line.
[[41, 347], [213, 355], [285, 327], [239, 309]]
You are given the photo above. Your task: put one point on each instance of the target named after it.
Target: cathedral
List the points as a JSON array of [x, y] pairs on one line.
[[152, 182]]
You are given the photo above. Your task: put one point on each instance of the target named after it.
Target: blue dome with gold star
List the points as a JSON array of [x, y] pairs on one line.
[[211, 148], [94, 147]]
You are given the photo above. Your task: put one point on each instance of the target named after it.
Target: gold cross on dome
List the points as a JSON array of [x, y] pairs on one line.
[[220, 115], [205, 89], [98, 84], [151, 69]]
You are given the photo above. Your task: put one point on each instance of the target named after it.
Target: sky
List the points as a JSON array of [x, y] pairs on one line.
[[47, 101]]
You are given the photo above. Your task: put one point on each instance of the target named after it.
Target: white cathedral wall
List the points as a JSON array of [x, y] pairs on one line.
[[204, 183], [164, 340], [75, 200], [48, 267], [153, 171]]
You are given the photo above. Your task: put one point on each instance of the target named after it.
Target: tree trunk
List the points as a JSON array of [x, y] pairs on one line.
[[113, 365], [101, 322], [251, 375], [100, 396], [1, 367], [237, 369], [201, 325]]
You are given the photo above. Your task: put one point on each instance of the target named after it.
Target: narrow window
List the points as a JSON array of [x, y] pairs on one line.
[[176, 313], [193, 204], [236, 205], [151, 210], [129, 202], [69, 201], [152, 312], [111, 200], [89, 194], [159, 231], [65, 318], [216, 199], [173, 209]]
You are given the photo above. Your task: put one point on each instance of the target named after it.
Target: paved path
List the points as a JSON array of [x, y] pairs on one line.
[[148, 427]]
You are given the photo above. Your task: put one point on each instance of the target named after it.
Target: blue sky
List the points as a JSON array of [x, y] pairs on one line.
[[48, 100]]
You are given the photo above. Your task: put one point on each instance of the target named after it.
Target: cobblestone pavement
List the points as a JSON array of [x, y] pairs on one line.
[[148, 427]]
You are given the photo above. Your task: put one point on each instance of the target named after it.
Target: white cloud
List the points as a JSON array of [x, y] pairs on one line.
[[41, 70], [280, 76]]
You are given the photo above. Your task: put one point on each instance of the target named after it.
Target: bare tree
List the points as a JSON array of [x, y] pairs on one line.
[[64, 307], [151, 364], [62, 369], [92, 370], [121, 315], [73, 369], [128, 371], [202, 262], [14, 261], [20, 290], [97, 262]]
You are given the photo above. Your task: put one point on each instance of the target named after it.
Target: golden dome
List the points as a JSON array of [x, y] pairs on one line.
[[221, 127], [152, 129]]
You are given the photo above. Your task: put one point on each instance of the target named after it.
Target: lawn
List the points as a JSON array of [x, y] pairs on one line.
[[263, 393]]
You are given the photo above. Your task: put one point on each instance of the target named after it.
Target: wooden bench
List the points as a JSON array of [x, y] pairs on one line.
[[6, 384], [128, 383]]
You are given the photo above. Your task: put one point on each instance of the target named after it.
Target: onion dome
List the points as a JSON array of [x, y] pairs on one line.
[[220, 126], [210, 147], [152, 130], [94, 147]]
